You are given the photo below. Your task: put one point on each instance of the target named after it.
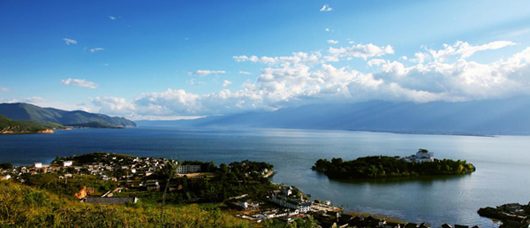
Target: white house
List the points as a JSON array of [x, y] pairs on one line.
[[189, 169], [297, 204], [67, 163], [37, 165], [424, 155]]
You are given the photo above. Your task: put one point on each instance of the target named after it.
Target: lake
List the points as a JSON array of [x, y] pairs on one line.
[[502, 162]]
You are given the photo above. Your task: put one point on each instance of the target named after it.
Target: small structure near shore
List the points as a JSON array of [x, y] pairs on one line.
[[511, 215]]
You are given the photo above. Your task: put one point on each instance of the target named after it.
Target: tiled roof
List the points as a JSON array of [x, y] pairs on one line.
[[109, 200]]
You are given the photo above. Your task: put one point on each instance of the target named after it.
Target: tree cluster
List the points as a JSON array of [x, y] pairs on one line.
[[384, 166]]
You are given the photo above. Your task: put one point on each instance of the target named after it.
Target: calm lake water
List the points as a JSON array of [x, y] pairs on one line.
[[502, 176]]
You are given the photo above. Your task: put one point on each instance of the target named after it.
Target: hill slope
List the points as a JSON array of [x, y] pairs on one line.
[[24, 206], [9, 126], [23, 111]]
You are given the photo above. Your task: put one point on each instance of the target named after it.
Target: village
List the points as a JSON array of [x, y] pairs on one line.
[[140, 176]]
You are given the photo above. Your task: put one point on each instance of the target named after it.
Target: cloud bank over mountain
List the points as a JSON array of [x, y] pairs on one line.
[[448, 74]]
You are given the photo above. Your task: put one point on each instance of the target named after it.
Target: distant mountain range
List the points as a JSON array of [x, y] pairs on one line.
[[23, 111], [488, 117]]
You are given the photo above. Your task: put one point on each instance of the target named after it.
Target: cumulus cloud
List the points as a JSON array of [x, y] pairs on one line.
[[360, 50], [226, 83], [333, 41], [326, 8], [202, 73], [114, 105], [70, 41], [3, 89], [96, 49], [376, 62], [79, 83], [306, 78]]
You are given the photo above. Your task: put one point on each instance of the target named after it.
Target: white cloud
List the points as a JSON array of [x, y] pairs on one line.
[[360, 50], [226, 83], [244, 72], [202, 73], [31, 100], [96, 49], [466, 50], [114, 105], [326, 8], [296, 58], [333, 41], [113, 18], [327, 29], [3, 89], [79, 83], [376, 62], [305, 78], [70, 41]]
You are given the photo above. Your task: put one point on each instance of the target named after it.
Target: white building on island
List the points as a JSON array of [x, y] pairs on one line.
[[424, 155]]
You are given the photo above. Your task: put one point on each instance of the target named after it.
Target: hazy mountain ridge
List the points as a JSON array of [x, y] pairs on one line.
[[23, 111], [488, 117]]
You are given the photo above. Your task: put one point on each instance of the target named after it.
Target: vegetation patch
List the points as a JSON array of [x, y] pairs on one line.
[[384, 166]]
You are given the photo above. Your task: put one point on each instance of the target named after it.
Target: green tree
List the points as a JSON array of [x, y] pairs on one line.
[[170, 170]]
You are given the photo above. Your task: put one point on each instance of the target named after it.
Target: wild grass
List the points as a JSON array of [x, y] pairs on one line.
[[24, 206]]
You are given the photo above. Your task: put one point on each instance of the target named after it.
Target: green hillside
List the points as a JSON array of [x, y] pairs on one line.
[[42, 124], [23, 111], [9, 126], [23, 206]]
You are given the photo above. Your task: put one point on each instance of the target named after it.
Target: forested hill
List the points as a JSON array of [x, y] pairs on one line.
[[9, 126], [23, 111]]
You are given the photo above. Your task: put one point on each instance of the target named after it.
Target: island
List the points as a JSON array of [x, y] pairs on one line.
[[422, 163]]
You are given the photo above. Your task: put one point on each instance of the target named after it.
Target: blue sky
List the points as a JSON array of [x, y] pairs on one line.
[[180, 59]]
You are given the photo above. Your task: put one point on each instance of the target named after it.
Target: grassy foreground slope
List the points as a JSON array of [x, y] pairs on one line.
[[23, 206]]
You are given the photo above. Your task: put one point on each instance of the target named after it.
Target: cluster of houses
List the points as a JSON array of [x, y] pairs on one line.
[[110, 167], [285, 198], [36, 168], [285, 204]]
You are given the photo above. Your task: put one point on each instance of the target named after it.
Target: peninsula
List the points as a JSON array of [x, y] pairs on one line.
[[421, 164], [9, 126]]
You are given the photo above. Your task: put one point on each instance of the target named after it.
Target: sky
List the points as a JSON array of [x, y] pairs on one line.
[[186, 59]]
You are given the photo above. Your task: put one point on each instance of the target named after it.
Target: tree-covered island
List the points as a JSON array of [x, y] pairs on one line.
[[421, 164]]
